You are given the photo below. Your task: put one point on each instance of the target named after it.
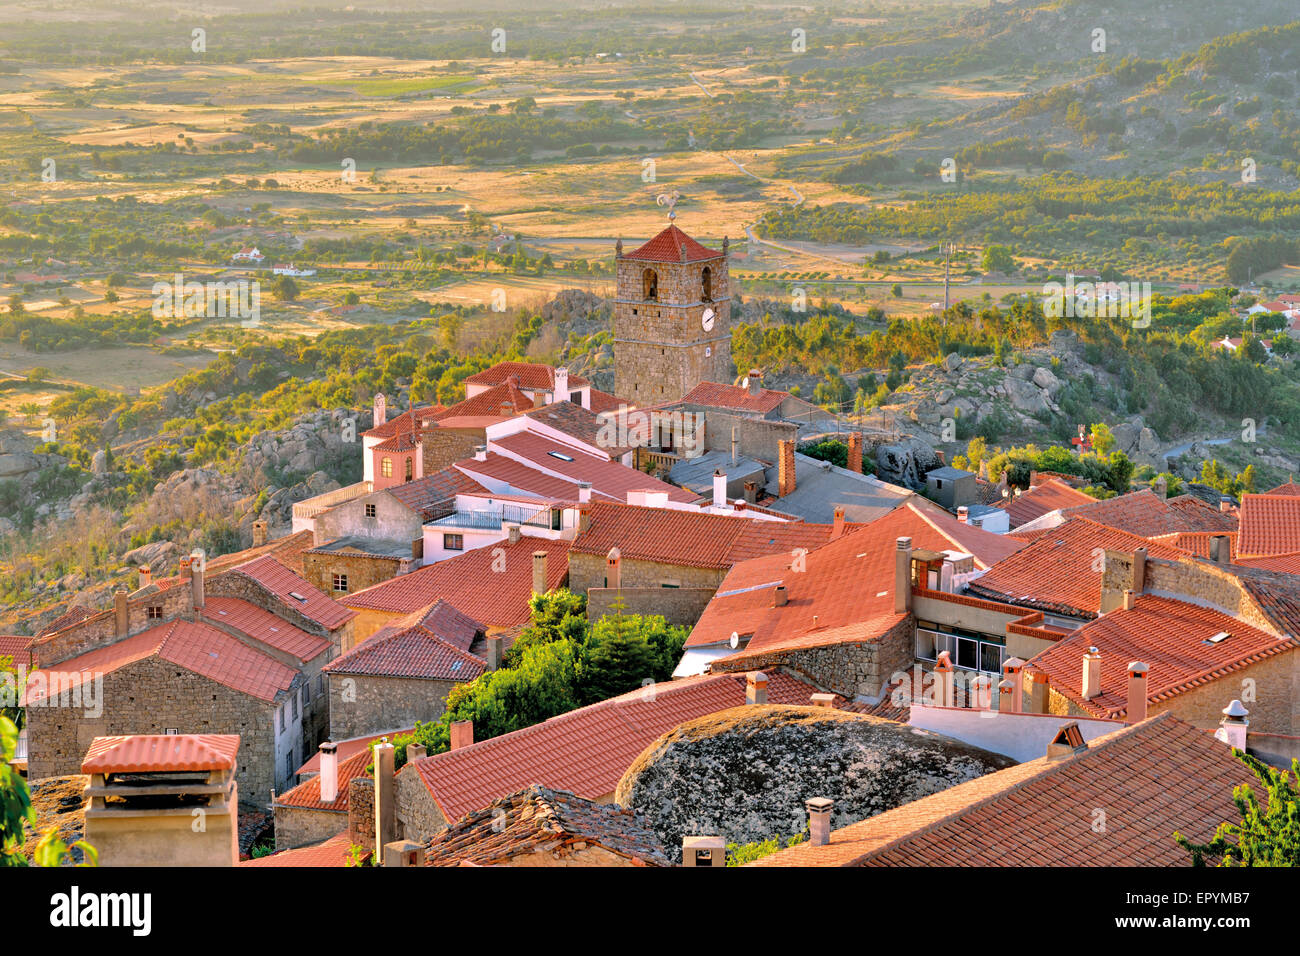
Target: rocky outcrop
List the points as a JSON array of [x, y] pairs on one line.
[[745, 773], [905, 462]]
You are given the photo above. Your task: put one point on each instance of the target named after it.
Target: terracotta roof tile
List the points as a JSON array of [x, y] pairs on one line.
[[520, 477], [17, 647], [605, 402], [579, 423], [691, 538], [607, 477], [668, 246], [348, 748], [1285, 563], [1270, 524], [429, 645], [1042, 498], [471, 583], [1059, 571], [1146, 514], [296, 592], [531, 375], [336, 851], [401, 424], [1289, 488], [434, 496], [717, 395], [1152, 778], [504, 399], [1171, 637], [160, 753], [538, 820], [264, 626], [306, 796], [587, 750]]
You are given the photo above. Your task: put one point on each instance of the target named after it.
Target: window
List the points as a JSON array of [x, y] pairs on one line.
[[650, 285], [972, 652], [371, 511], [410, 470], [706, 285], [386, 468], [282, 710], [294, 702], [560, 455], [153, 613], [670, 584], [306, 694], [341, 583], [453, 542], [557, 518]]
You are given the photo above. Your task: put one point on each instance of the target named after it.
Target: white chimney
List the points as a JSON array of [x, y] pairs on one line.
[[561, 385], [584, 492], [1129, 599], [1137, 692], [1011, 669], [1092, 673], [1233, 727], [963, 514], [719, 489], [329, 772], [480, 452], [819, 820], [146, 576]]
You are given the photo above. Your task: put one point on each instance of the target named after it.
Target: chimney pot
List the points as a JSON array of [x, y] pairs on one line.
[[903, 576], [1040, 693], [480, 452], [719, 489], [197, 565], [561, 385], [704, 851], [146, 576], [513, 534], [381, 409], [1137, 692], [539, 572], [819, 820], [1092, 673], [329, 772], [1130, 599], [854, 463], [755, 381], [1011, 669], [756, 688], [837, 528], [462, 734], [613, 569], [259, 533], [415, 752], [963, 514], [1234, 726], [584, 491], [121, 612], [823, 700], [780, 596]]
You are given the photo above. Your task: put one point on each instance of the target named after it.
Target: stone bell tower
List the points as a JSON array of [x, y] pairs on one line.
[[672, 318]]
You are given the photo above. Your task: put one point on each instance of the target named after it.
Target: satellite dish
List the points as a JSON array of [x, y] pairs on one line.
[[707, 318], [735, 640]]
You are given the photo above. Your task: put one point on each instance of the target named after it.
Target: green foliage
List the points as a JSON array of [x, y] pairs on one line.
[[738, 854], [998, 259], [1264, 837], [17, 813], [837, 453], [1214, 474]]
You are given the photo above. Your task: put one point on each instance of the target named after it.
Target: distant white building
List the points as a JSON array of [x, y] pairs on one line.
[[249, 254], [291, 270]]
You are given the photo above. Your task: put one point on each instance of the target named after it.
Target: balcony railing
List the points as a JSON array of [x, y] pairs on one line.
[[331, 499], [493, 518]]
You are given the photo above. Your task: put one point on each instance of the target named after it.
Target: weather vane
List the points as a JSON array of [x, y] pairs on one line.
[[669, 200]]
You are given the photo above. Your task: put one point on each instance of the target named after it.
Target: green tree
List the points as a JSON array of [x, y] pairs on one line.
[[998, 259], [17, 814], [284, 289], [617, 659], [1264, 837]]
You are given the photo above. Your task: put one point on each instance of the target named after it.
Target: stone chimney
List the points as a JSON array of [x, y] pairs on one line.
[[416, 752], [819, 820], [1011, 670], [822, 700], [584, 518], [751, 492], [719, 489], [1161, 487], [146, 576], [121, 613], [780, 596], [903, 576], [495, 652], [756, 688], [1234, 726], [385, 798], [1225, 504], [381, 409], [259, 533], [403, 853], [1040, 693], [1033, 478], [785, 477], [329, 772], [561, 384], [1221, 549], [837, 528], [584, 492], [1137, 692], [1092, 673], [513, 534], [704, 851], [480, 452], [462, 733], [1129, 599], [1006, 688], [539, 572], [944, 681], [855, 453], [614, 568], [755, 381], [197, 564]]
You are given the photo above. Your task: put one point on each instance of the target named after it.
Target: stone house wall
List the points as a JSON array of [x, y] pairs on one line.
[[101, 629], [418, 817], [443, 447], [682, 606], [587, 571], [392, 520], [362, 571], [298, 826], [363, 704]]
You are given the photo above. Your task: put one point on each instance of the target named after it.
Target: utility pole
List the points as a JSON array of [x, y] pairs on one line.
[[947, 254]]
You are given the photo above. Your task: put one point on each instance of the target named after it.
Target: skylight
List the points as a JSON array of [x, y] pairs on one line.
[[560, 455], [1219, 638]]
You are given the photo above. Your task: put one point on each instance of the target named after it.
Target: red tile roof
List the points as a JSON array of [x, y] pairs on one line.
[[1153, 778], [1289, 488], [691, 538], [288, 550], [587, 750], [1145, 513], [472, 584], [668, 246], [605, 402], [504, 399], [1285, 563], [1198, 542], [401, 424], [578, 423], [845, 591], [19, 648], [538, 820], [284, 584], [716, 395], [265, 627], [608, 477], [196, 646], [161, 753], [73, 615], [1060, 571], [434, 496], [1042, 498], [520, 477], [347, 748], [430, 645], [336, 851], [531, 375], [1170, 637], [1270, 524], [306, 796]]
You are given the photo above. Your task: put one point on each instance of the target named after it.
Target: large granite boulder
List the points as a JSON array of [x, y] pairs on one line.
[[745, 773]]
